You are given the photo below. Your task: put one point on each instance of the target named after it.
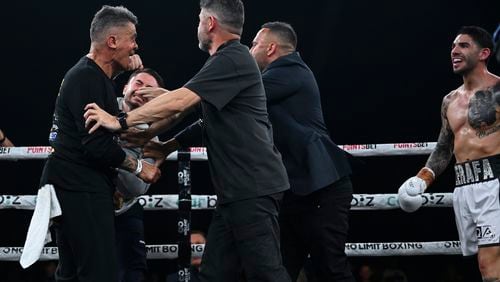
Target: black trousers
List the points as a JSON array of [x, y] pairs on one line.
[[317, 225], [130, 246], [85, 237], [244, 235]]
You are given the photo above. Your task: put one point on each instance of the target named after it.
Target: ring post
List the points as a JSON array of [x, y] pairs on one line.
[[184, 218]]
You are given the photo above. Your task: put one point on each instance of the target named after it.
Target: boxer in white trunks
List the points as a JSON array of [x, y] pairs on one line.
[[471, 133]]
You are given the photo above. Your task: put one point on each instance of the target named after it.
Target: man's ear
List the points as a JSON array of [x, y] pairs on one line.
[[111, 41], [212, 23], [125, 89], [271, 49], [484, 54]]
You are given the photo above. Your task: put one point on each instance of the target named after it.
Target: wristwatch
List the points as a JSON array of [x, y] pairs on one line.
[[122, 119]]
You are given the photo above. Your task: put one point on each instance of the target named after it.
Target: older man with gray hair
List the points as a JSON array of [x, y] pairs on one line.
[[83, 166]]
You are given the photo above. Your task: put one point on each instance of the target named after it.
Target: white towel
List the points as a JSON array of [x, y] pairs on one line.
[[47, 207]]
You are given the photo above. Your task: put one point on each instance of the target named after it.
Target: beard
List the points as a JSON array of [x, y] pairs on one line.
[[260, 59], [468, 67], [204, 43], [132, 105], [130, 101], [262, 65]]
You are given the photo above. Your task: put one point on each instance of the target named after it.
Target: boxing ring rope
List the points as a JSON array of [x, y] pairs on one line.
[[352, 250], [208, 202], [184, 202], [200, 153]]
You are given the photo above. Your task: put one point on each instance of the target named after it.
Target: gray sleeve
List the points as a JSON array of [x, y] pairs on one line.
[[128, 183]]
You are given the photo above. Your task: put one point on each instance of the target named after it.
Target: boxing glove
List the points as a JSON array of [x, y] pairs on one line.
[[410, 194]]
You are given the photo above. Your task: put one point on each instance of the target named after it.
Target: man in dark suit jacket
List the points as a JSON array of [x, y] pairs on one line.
[[315, 211]]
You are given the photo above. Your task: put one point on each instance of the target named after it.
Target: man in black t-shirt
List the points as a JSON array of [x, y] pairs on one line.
[[246, 168], [82, 167]]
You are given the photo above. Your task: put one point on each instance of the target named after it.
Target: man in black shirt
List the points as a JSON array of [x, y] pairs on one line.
[[314, 217], [246, 169], [82, 167]]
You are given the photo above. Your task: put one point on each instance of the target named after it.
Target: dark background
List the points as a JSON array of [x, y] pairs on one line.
[[382, 67]]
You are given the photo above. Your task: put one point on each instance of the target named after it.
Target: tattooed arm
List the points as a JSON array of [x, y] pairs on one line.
[[129, 164], [441, 156], [409, 193], [146, 171]]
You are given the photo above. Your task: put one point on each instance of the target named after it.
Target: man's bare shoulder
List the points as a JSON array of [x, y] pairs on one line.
[[496, 84], [452, 95], [490, 82]]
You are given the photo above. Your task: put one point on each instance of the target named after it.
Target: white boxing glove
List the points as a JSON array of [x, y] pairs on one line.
[[410, 194]]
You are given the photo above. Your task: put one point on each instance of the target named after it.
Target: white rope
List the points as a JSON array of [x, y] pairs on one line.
[[197, 154], [403, 248], [21, 202], [208, 202], [200, 153], [25, 153], [351, 249], [396, 149], [390, 201], [170, 202]]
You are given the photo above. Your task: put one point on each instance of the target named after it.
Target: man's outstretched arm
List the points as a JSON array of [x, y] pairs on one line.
[[161, 107]]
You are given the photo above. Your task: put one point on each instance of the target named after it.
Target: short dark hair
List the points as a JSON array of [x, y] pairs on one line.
[[284, 31], [199, 232], [110, 16], [479, 35], [230, 13], [151, 72]]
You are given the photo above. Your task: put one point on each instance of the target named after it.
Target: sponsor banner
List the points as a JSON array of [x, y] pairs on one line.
[[436, 200], [14, 253], [351, 249], [197, 154], [397, 149], [25, 153], [17, 202], [403, 248], [418, 145], [171, 251], [358, 147], [198, 150], [390, 201], [209, 202], [171, 202]]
